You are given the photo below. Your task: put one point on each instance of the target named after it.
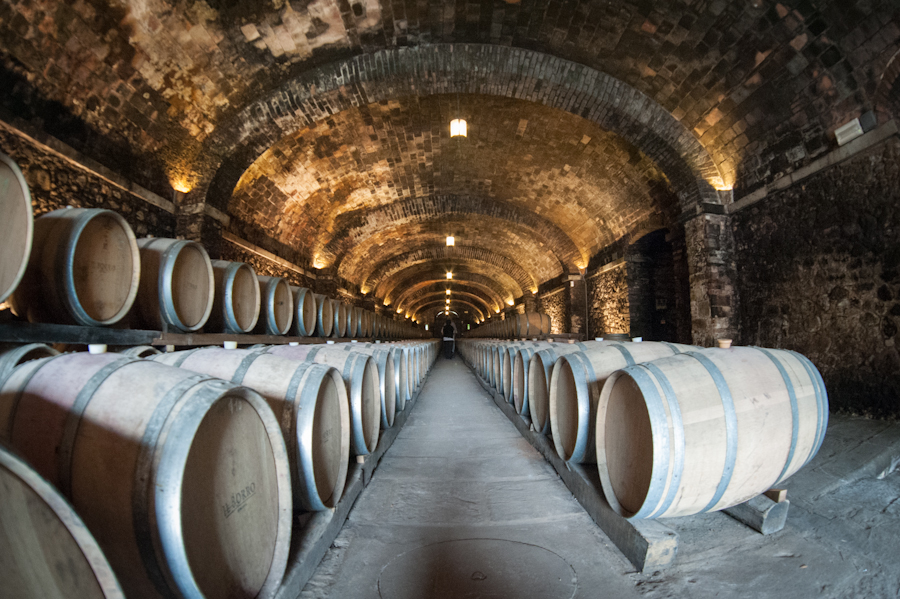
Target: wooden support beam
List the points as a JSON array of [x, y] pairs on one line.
[[761, 514]]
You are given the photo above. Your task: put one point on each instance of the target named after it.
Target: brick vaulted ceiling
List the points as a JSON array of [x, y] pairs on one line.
[[322, 128]]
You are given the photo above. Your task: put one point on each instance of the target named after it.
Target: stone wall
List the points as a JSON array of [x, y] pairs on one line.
[[609, 302], [56, 182], [819, 273], [263, 267], [556, 306]]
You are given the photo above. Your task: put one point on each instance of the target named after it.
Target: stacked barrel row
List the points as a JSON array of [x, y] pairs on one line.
[[189, 488], [515, 326], [89, 269], [674, 429]]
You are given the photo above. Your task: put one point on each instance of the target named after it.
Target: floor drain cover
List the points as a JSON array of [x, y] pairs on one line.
[[478, 568]]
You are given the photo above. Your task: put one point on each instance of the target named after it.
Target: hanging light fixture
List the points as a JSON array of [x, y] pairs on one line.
[[458, 125], [458, 128], [449, 275], [451, 240], [448, 292]]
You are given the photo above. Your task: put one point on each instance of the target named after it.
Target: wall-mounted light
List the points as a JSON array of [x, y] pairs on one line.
[[451, 240], [449, 275], [458, 128], [448, 292], [510, 302]]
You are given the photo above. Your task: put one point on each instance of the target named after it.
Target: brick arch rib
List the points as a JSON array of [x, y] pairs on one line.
[[448, 68]]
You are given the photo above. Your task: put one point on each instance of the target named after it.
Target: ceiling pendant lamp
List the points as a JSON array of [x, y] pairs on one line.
[[458, 128], [458, 125]]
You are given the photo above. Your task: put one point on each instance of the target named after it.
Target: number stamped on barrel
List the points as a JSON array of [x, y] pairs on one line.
[[239, 500]]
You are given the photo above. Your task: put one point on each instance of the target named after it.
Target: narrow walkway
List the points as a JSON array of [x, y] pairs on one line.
[[462, 506]]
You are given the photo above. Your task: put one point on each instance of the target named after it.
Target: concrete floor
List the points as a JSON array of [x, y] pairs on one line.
[[462, 506]]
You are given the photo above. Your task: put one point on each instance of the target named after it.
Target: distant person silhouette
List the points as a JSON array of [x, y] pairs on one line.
[[449, 334]]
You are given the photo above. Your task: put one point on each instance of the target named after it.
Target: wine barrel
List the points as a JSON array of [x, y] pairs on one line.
[[85, 269], [363, 317], [339, 313], [520, 374], [277, 306], [507, 366], [310, 401], [534, 322], [48, 553], [304, 312], [324, 316], [706, 430], [365, 323], [353, 321], [387, 373], [237, 298], [546, 324], [17, 229], [12, 356], [185, 486], [404, 376], [360, 375], [177, 284], [540, 370], [575, 385], [140, 351]]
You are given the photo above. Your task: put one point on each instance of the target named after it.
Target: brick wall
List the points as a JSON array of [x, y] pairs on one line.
[[56, 182], [819, 273], [609, 311], [556, 306]]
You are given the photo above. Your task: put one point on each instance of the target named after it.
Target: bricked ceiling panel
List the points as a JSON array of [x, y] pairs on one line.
[[587, 118], [755, 82], [461, 288], [392, 278], [351, 174], [426, 313], [490, 235], [488, 287]]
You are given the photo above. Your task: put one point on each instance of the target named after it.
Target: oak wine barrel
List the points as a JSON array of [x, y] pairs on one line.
[[304, 312], [705, 430], [575, 385], [339, 313], [84, 270], [237, 299], [324, 316], [352, 321], [360, 375], [540, 370], [16, 228], [48, 552], [387, 376], [276, 312], [183, 479], [140, 351], [13, 355], [177, 284], [546, 324], [311, 403]]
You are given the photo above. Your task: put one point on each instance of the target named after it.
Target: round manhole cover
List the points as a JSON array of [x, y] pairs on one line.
[[478, 569]]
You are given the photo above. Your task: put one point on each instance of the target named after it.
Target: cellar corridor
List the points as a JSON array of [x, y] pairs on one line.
[[462, 504]]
